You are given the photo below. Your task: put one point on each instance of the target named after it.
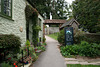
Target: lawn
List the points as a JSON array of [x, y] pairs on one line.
[[79, 65], [54, 36]]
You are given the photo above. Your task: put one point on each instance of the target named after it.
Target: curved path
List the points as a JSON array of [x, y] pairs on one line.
[[51, 57]]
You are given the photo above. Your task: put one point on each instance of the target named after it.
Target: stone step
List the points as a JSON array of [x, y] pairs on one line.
[[70, 59]]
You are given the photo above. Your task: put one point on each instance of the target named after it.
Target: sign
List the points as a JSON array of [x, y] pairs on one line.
[[68, 35]]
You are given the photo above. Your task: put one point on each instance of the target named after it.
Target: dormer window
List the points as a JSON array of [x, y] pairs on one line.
[[6, 8]]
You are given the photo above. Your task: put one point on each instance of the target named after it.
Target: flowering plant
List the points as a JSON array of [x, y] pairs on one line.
[[27, 43], [15, 64]]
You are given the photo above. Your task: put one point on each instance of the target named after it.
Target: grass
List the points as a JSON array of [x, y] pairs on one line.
[[54, 35], [79, 65]]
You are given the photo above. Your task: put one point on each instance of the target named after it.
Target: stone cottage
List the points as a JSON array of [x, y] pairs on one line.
[[12, 18]]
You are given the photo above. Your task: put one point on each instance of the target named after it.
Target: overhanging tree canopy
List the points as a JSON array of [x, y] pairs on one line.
[[58, 8], [87, 13]]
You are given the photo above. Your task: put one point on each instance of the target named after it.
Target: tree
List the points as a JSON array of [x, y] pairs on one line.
[[58, 8], [87, 13]]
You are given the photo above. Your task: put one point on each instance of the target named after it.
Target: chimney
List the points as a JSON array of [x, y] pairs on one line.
[[50, 16]]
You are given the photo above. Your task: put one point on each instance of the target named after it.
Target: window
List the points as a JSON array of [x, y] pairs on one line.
[[39, 22], [0, 5], [6, 8]]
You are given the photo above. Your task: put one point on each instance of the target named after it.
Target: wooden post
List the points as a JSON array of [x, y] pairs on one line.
[[22, 58], [28, 50]]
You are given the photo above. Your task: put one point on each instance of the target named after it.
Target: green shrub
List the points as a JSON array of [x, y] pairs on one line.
[[93, 37], [69, 50], [41, 48], [10, 43], [89, 37], [61, 37], [44, 39], [44, 44], [27, 43], [5, 65], [80, 36], [32, 53], [11, 58], [83, 49]]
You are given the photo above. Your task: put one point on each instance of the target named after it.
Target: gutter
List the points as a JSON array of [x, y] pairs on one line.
[[31, 3]]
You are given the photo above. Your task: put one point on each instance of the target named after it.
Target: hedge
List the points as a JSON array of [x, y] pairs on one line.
[[9, 43], [89, 37], [80, 36]]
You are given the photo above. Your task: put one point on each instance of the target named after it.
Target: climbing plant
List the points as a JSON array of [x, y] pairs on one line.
[[36, 30], [32, 13]]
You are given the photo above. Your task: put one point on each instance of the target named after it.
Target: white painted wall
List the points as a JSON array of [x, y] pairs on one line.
[[30, 30], [12, 26]]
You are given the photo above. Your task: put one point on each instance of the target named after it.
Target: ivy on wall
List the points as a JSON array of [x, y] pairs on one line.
[[32, 13]]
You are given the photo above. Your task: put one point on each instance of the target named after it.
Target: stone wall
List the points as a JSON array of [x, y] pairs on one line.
[[50, 30], [13, 26]]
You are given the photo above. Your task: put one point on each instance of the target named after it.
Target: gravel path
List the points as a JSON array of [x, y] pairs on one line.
[[51, 57]]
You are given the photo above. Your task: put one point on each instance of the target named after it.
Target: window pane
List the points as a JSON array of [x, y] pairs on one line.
[[0, 5], [7, 7]]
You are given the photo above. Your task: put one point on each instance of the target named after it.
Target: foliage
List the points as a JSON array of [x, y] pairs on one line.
[[30, 11], [86, 12], [10, 43], [93, 38], [32, 55], [58, 8], [36, 30], [80, 36], [32, 52], [83, 49], [61, 37], [79, 65], [89, 37], [44, 39], [41, 48], [32, 14], [44, 44], [11, 58], [27, 43], [5, 65]]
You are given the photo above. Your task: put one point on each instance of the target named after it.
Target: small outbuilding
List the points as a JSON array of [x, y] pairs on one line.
[[71, 23]]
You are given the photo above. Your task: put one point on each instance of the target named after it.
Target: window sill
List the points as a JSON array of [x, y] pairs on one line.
[[10, 18]]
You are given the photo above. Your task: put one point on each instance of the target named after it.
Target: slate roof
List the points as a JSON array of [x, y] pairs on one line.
[[54, 21], [70, 22]]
